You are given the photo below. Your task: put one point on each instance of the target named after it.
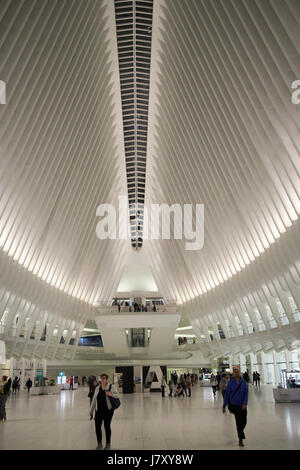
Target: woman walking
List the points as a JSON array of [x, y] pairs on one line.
[[223, 384], [188, 384], [104, 411], [213, 383], [236, 397]]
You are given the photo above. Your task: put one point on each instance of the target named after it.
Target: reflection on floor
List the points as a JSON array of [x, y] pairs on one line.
[[148, 421]]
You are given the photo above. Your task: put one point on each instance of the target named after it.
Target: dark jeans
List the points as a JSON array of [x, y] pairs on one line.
[[189, 390], [171, 391], [240, 419], [214, 387], [162, 391], [105, 416], [3, 399], [223, 393]]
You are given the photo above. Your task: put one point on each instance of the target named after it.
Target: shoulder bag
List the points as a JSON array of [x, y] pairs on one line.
[[115, 402]]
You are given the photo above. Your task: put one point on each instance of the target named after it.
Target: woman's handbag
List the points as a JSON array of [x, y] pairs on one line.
[[229, 405], [115, 402]]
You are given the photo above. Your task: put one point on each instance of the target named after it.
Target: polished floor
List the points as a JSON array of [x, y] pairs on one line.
[[148, 421]]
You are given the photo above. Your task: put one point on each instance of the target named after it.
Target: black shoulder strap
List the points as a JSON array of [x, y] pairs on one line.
[[109, 388]]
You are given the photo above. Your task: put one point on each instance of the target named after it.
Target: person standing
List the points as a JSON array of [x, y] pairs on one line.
[[213, 383], [71, 383], [175, 378], [29, 384], [254, 379], [188, 384], [4, 392], [236, 397], [246, 377], [170, 388], [258, 379], [218, 378], [15, 385], [163, 384], [223, 384], [104, 410]]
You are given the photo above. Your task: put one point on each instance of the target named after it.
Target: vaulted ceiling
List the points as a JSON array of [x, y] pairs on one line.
[[222, 131]]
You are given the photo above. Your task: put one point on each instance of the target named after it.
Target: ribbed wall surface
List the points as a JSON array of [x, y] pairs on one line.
[[226, 133]]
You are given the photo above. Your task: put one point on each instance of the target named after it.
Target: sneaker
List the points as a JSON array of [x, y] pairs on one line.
[[99, 447], [107, 447]]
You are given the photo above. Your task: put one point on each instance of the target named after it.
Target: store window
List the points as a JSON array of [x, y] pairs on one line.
[[221, 332], [72, 340]]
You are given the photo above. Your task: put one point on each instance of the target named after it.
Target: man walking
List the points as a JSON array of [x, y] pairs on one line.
[[29, 384], [258, 379], [236, 397]]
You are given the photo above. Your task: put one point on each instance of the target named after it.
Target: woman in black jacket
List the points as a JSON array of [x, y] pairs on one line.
[[104, 411]]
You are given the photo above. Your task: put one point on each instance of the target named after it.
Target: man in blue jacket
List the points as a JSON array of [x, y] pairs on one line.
[[236, 397]]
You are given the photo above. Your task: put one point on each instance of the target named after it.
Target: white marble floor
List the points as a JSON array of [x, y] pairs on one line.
[[148, 421]]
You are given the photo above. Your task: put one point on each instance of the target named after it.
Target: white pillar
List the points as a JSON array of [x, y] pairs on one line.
[[251, 366], [242, 361], [263, 369], [11, 368], [22, 374], [230, 358], [45, 367], [276, 372]]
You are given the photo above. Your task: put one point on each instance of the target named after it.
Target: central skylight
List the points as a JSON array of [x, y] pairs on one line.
[[134, 36]]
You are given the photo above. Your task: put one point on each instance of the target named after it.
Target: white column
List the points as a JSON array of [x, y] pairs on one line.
[[242, 361], [45, 367], [22, 375], [263, 377], [251, 366], [276, 372], [11, 367], [230, 357], [287, 359]]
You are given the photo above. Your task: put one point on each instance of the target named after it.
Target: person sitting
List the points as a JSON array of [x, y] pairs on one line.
[[179, 390]]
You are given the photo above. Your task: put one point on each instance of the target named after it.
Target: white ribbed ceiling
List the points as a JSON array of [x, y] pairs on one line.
[[225, 132], [222, 132]]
